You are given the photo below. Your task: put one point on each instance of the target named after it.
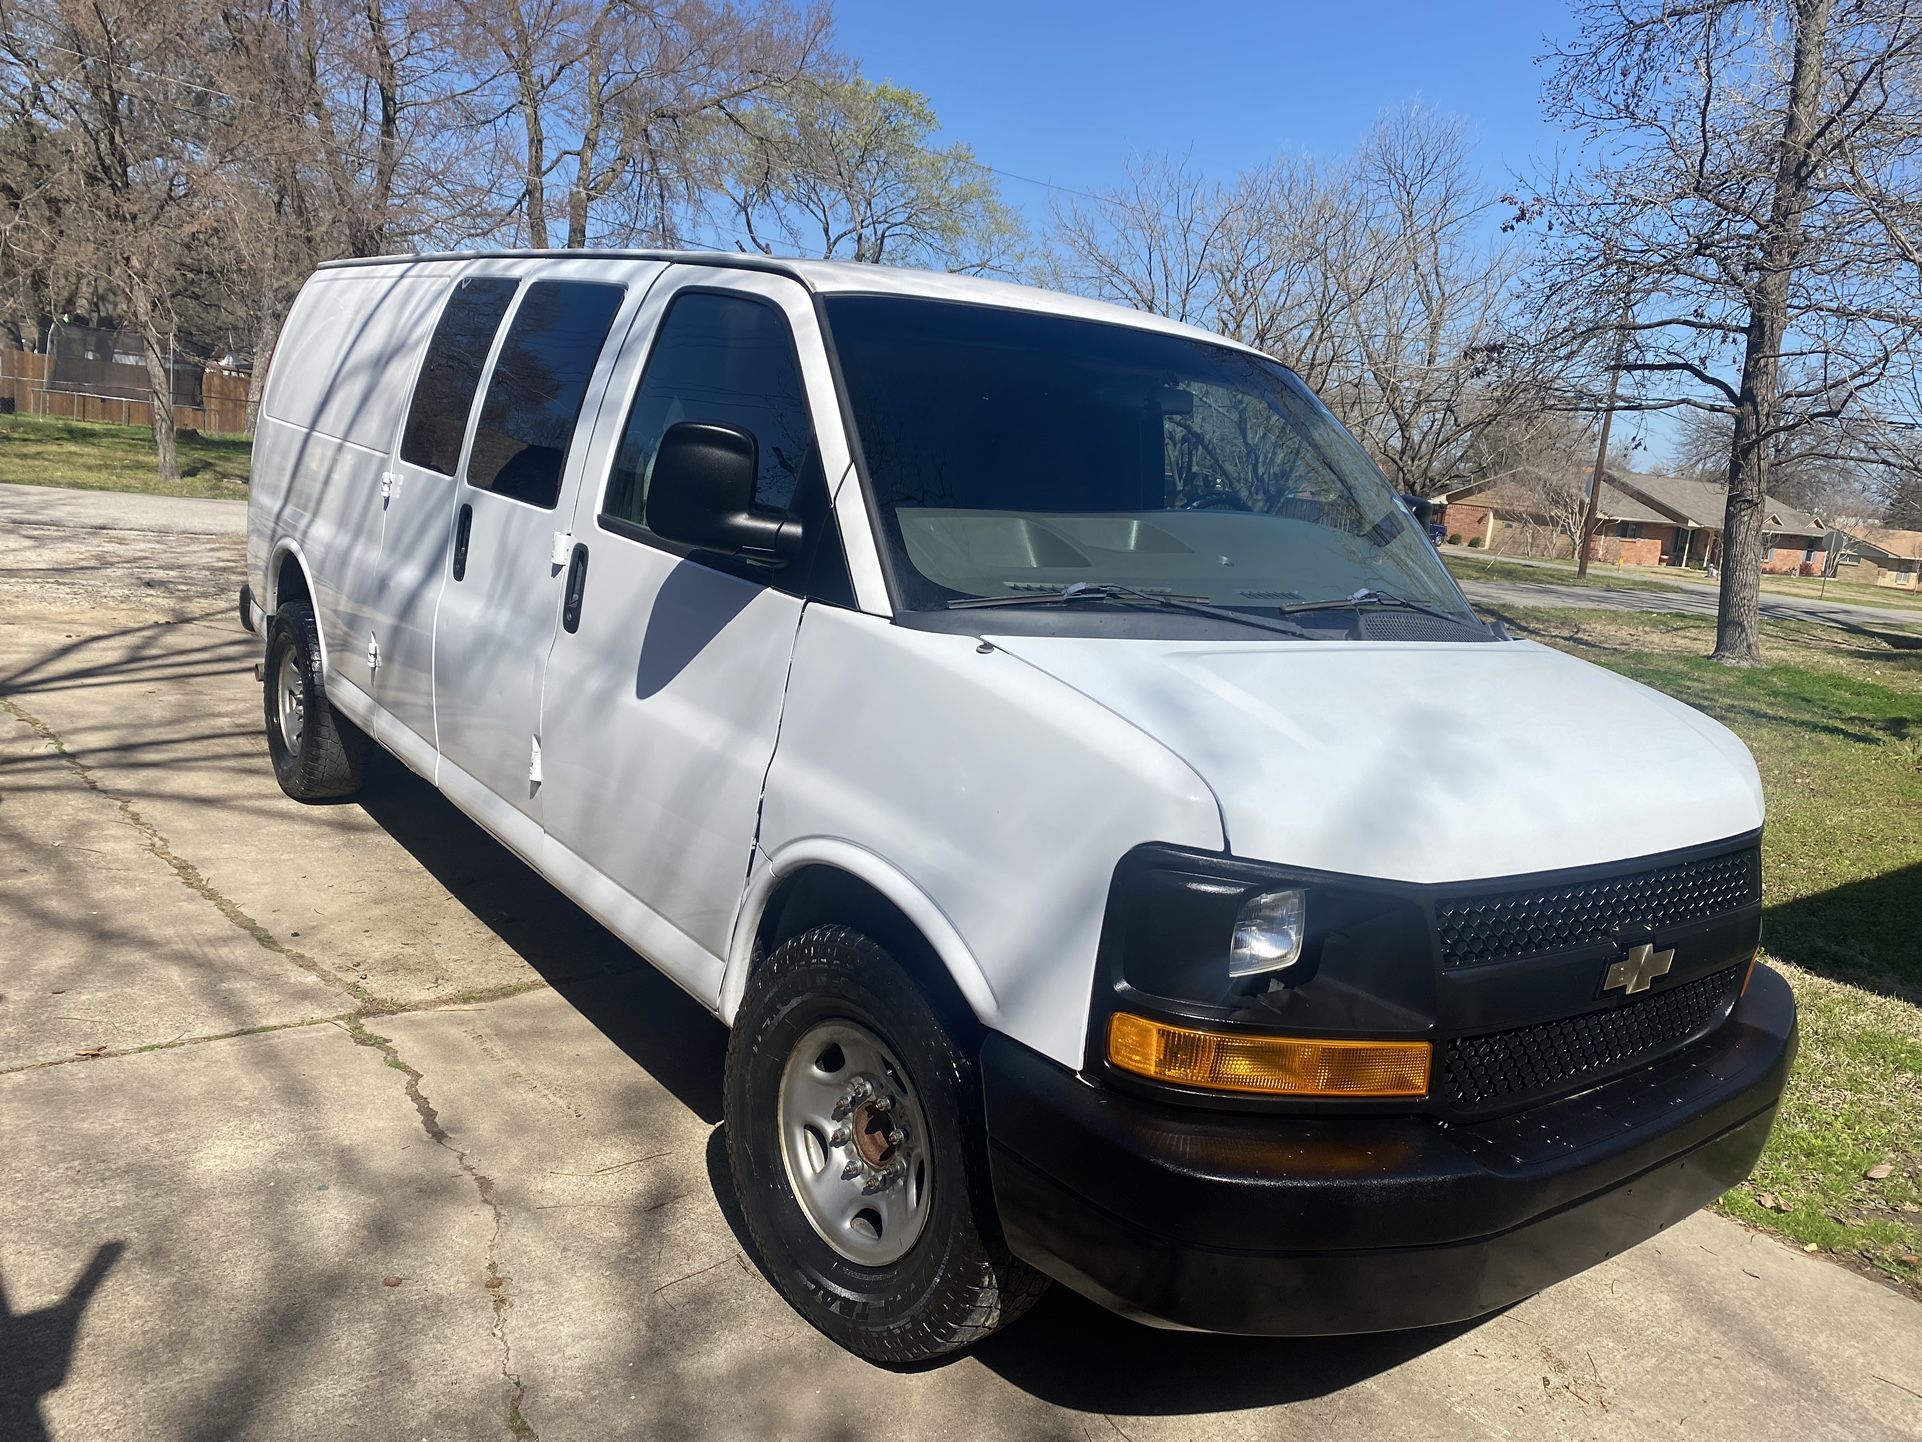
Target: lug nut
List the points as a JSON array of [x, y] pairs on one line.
[[840, 1137], [852, 1170]]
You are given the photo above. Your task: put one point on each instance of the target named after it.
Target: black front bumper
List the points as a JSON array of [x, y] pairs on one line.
[[1295, 1226]]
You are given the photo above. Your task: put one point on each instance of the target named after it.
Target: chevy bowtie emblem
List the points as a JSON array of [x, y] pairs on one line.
[[1637, 971]]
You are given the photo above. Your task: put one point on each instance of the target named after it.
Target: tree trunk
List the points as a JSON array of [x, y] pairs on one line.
[[160, 383], [373, 237], [524, 59], [594, 107], [1738, 625], [536, 179]]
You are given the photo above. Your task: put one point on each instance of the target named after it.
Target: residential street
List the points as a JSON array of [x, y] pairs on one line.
[[1496, 594], [329, 1122], [1685, 598]]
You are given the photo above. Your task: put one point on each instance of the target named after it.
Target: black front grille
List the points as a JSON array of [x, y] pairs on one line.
[[1500, 925], [1478, 1072]]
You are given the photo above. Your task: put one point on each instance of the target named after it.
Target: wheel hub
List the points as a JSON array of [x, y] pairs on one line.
[[852, 1130], [875, 1136]]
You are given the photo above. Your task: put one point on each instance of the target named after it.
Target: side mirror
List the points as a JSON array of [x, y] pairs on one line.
[[701, 493]]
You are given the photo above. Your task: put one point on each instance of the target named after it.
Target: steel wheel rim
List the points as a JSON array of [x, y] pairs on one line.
[[853, 1141], [290, 699]]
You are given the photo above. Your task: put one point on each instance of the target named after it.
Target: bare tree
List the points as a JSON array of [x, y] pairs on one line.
[[1154, 242], [1728, 138], [1373, 277], [1429, 305], [608, 105], [1826, 469], [844, 169], [132, 137]]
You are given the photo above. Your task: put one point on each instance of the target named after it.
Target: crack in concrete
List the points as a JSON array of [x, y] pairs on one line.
[[173, 1045], [497, 1281], [188, 874], [454, 1002]]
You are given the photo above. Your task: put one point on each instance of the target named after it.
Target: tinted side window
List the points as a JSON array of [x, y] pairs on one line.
[[534, 396], [730, 361], [444, 395]]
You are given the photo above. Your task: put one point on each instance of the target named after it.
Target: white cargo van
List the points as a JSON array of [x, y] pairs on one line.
[[1038, 731]]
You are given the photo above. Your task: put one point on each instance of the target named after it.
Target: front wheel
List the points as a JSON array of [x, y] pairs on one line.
[[855, 1139]]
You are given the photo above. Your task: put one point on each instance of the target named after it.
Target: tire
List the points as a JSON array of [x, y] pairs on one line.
[[325, 754], [955, 1282]]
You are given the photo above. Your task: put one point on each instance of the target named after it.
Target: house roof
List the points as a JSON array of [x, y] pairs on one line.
[[1703, 504], [1659, 500], [1520, 498], [1898, 545]]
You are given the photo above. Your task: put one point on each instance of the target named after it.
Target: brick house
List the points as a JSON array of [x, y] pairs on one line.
[[1509, 519], [1794, 543], [1882, 556], [1642, 520]]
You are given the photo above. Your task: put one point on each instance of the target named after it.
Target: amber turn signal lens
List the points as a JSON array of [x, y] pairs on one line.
[[1281, 1066]]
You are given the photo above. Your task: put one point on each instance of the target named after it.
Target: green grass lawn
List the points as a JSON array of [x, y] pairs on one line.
[[1835, 723], [1542, 573], [37, 451]]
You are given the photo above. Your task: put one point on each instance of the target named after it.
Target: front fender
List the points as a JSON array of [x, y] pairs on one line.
[[857, 861]]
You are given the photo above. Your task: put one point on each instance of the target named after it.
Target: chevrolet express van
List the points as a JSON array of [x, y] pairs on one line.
[[1039, 732]]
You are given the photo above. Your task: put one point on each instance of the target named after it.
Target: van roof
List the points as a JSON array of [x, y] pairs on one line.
[[832, 277]]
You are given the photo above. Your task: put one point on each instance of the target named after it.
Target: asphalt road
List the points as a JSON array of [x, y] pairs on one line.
[[336, 1121]]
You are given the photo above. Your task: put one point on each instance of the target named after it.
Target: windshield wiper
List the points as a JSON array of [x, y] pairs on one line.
[[1370, 598], [1083, 592]]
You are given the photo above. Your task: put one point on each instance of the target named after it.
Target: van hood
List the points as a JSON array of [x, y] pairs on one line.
[[1422, 762]]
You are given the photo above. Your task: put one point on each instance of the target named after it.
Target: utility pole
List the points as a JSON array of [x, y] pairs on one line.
[[1601, 448]]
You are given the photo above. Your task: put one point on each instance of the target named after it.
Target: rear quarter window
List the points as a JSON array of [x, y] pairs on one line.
[[451, 372], [342, 364]]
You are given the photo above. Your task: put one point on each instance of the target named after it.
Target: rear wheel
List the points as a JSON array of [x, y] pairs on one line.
[[317, 753], [855, 1139]]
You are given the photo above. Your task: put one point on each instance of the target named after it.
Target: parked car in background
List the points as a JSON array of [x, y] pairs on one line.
[[997, 707], [1426, 514]]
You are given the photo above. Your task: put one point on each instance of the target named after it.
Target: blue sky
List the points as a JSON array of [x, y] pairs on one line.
[[1064, 92]]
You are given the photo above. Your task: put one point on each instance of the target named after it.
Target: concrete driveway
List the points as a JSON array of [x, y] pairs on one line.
[[336, 1121]]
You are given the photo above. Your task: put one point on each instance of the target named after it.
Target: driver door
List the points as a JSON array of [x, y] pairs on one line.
[[666, 682]]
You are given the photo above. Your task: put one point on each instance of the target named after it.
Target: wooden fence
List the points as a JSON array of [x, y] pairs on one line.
[[23, 381]]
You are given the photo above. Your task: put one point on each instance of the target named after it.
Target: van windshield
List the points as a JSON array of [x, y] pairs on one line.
[[1014, 453]]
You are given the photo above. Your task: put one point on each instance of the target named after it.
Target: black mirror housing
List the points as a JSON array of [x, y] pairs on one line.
[[701, 494]]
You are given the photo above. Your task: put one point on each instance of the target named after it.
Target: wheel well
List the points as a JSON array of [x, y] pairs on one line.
[[290, 582], [822, 895]]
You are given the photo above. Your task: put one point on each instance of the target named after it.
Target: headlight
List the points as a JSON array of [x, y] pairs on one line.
[[1200, 950], [1268, 934]]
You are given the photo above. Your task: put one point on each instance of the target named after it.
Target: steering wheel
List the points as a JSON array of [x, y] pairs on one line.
[[1216, 501]]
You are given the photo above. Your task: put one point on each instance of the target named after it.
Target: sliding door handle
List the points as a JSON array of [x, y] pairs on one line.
[[463, 527], [576, 588]]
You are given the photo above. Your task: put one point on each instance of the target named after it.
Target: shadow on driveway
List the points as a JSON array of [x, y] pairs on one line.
[[671, 1036]]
